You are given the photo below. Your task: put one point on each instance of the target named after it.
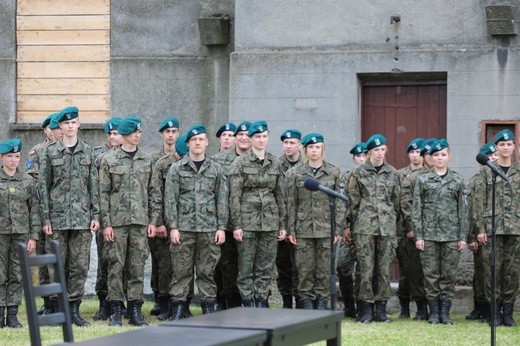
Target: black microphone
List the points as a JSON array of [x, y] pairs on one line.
[[483, 159], [314, 185]]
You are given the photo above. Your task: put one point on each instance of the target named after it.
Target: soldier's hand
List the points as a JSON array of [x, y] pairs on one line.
[[220, 237], [238, 234], [175, 236], [160, 232], [347, 235], [410, 235], [336, 238], [293, 240], [108, 234], [282, 234], [462, 245], [47, 229], [31, 246], [473, 246], [482, 238], [94, 225], [150, 231], [419, 244]]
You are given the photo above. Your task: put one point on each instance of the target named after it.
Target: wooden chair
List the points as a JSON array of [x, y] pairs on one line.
[[55, 287]]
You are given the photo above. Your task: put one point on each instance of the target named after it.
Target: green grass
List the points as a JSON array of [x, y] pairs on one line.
[[401, 332]]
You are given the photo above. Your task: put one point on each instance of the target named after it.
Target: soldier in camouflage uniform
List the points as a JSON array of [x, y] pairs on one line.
[[308, 215], [159, 245], [125, 184], [480, 310], [287, 279], [507, 231], [258, 214], [19, 222], [226, 136], [113, 140], [69, 195], [228, 295], [440, 228], [346, 261], [374, 192], [411, 286], [196, 212]]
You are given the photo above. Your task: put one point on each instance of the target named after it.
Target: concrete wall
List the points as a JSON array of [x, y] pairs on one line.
[[7, 65]]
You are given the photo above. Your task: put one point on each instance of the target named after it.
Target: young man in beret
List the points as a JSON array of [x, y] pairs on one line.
[[226, 135], [125, 184], [69, 194], [287, 280], [196, 212]]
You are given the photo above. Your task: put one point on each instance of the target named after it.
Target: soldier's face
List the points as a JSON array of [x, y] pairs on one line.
[[360, 158], [415, 157], [493, 157], [377, 155], [291, 146], [198, 144], [314, 151], [114, 139], [70, 127], [243, 141], [428, 160], [57, 134], [133, 139], [505, 149], [227, 139], [259, 140], [48, 133], [170, 135], [441, 158], [11, 160]]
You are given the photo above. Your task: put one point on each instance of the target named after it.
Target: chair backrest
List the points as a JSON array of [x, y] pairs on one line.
[[56, 287]]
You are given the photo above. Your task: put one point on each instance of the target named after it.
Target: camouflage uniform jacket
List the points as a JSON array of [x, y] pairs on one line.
[[19, 205], [472, 231], [439, 209], [255, 194], [195, 201], [374, 199], [98, 153], [508, 224], [68, 187], [286, 164], [225, 158], [33, 161], [407, 179], [308, 212], [125, 184], [159, 173]]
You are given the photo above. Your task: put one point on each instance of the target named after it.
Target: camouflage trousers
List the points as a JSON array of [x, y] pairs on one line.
[[256, 258], [346, 267], [11, 286], [102, 269], [374, 254], [129, 249], [164, 264], [226, 271], [411, 278], [75, 253], [197, 250], [287, 280], [154, 278], [43, 272], [313, 263], [507, 263], [440, 261], [478, 276]]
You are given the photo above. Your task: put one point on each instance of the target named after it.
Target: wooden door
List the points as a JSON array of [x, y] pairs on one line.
[[401, 111]]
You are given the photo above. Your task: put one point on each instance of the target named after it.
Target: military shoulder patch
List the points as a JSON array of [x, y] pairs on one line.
[[29, 164]]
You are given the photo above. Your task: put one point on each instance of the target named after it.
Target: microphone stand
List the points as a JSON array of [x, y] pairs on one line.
[[492, 261], [332, 277]]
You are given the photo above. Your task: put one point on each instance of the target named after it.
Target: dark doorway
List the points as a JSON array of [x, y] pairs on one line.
[[402, 110]]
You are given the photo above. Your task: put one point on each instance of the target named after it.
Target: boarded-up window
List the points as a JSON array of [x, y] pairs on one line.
[[63, 58]]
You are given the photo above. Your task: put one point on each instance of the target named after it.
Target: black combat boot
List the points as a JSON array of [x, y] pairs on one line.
[[234, 301], [287, 301], [380, 312], [365, 312], [248, 303], [433, 304], [116, 318], [422, 310], [297, 302], [163, 304], [405, 307], [75, 316], [221, 303], [177, 311], [104, 309], [321, 304], [48, 306], [12, 320], [207, 306], [486, 312], [306, 304], [507, 316], [498, 316], [476, 314], [444, 314], [169, 307], [261, 303], [2, 316], [135, 318], [350, 307], [156, 309], [186, 309]]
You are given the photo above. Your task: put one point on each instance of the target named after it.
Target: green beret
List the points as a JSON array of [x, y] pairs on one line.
[[169, 123], [359, 148], [427, 145], [312, 138], [376, 140], [47, 121], [291, 134], [68, 113], [257, 127], [54, 123], [13, 145], [226, 127], [180, 145], [439, 145], [195, 130], [243, 126], [415, 144], [504, 135], [488, 148], [112, 124], [129, 125]]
